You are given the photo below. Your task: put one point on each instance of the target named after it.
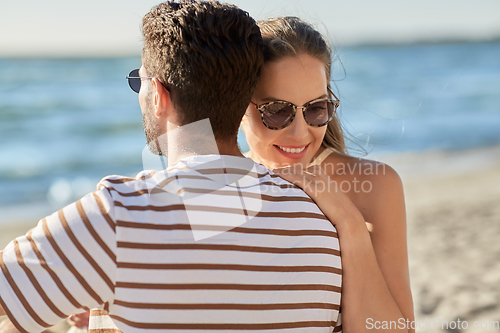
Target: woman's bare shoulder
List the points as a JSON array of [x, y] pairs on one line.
[[371, 185], [338, 164]]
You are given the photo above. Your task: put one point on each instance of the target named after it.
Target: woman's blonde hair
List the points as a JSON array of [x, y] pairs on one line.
[[290, 36]]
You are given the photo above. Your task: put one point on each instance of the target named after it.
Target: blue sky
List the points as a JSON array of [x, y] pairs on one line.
[[112, 27]]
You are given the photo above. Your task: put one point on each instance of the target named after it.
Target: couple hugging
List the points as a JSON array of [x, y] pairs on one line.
[[218, 241]]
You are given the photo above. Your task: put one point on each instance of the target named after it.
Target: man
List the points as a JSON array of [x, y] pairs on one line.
[[214, 242]]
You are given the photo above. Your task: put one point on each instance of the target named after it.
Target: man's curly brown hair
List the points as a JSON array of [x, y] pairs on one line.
[[209, 55]]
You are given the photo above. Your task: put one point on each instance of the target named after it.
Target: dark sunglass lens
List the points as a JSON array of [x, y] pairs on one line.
[[277, 114], [319, 113], [134, 81]]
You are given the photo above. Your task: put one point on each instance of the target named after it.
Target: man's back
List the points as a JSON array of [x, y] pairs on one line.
[[161, 252], [196, 249]]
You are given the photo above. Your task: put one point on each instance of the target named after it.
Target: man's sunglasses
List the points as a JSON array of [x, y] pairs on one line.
[[134, 80], [277, 115]]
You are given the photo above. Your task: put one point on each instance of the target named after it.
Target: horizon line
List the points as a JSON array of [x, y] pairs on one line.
[[361, 44]]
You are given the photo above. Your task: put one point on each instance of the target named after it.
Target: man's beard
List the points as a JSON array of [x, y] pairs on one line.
[[152, 131]]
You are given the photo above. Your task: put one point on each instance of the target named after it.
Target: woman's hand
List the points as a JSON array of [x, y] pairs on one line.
[[79, 320], [327, 194], [365, 293]]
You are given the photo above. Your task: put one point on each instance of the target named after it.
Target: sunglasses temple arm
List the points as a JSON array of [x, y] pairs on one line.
[[331, 92]]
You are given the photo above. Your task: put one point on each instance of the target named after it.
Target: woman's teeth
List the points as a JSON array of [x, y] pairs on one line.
[[292, 150]]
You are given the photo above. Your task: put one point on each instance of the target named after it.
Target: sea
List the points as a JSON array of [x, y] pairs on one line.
[[66, 123]]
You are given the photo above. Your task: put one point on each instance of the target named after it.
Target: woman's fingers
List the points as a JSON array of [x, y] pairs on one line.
[[290, 174], [79, 320], [312, 180], [324, 191]]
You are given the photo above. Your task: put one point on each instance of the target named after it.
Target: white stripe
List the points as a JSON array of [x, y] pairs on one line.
[[101, 322], [44, 279], [227, 277], [87, 241], [224, 316], [225, 296], [225, 257], [98, 221], [16, 308]]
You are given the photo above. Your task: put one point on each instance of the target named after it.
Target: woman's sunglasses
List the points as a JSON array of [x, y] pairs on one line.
[[277, 115]]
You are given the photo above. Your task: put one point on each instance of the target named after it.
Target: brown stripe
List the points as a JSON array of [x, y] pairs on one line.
[[52, 274], [288, 215], [34, 282], [138, 225], [92, 231], [292, 215], [225, 326], [84, 252], [273, 184], [131, 194], [128, 179], [98, 312], [68, 264], [170, 179], [263, 197], [221, 286], [217, 170], [20, 295], [337, 328], [237, 171], [228, 306], [216, 209], [104, 213], [232, 267], [230, 171], [228, 247], [120, 180], [165, 182], [10, 316], [149, 207], [262, 231], [201, 171]]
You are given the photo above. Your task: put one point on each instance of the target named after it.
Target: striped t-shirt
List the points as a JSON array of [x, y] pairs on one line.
[[214, 243]]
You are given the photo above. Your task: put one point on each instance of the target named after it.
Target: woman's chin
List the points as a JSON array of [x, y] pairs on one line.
[[288, 164]]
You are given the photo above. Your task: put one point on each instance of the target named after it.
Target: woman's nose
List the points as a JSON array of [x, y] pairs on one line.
[[298, 129]]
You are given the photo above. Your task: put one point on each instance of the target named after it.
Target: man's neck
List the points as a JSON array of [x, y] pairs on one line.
[[178, 152], [195, 139]]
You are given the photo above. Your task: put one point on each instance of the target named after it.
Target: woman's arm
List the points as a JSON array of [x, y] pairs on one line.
[[367, 302], [385, 208], [6, 326]]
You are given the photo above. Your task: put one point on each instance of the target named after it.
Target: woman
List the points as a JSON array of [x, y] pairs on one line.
[[290, 123]]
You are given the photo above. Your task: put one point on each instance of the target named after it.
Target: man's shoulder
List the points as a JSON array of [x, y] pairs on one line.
[[247, 178], [113, 182]]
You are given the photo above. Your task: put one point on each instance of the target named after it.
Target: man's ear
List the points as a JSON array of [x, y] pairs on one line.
[[244, 119], [162, 100]]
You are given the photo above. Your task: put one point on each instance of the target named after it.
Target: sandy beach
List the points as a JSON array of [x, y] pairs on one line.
[[453, 208]]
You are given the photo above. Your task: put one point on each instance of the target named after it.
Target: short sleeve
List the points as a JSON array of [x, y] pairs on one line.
[[338, 324], [65, 265]]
